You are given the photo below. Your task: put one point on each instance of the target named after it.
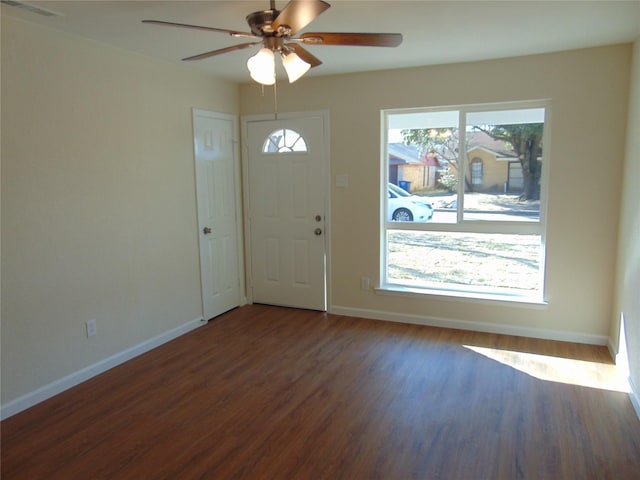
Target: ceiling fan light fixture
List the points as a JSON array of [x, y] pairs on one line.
[[262, 67], [294, 66], [276, 30]]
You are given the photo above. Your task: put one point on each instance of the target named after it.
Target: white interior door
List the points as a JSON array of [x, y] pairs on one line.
[[216, 178], [286, 192]]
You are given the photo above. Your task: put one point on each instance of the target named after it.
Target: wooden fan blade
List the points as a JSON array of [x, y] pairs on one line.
[[304, 54], [354, 39], [221, 51], [297, 14], [233, 33]]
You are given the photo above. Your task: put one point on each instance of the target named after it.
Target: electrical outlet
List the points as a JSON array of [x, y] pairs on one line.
[[364, 283], [91, 328]]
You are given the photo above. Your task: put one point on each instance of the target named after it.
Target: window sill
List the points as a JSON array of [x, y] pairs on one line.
[[533, 301]]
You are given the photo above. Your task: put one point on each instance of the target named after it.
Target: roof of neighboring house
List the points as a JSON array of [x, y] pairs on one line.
[[499, 148], [400, 153]]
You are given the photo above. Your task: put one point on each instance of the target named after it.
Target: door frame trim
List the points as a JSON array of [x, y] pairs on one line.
[[238, 198], [245, 120]]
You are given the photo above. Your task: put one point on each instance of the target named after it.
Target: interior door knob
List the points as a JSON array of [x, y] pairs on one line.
[[318, 231], [206, 230]]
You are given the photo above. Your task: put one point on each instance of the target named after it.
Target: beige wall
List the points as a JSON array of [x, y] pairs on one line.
[[589, 94], [98, 201], [628, 273]]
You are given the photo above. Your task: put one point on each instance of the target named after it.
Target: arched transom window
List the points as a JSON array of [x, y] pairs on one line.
[[284, 141]]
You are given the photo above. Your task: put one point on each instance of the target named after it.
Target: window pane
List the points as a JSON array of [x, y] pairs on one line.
[[284, 141], [453, 260], [422, 160], [470, 165], [504, 165]]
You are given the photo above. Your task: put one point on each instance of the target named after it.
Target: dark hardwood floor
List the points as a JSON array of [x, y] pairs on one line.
[[273, 393]]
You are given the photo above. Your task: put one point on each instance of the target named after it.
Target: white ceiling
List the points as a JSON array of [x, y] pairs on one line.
[[435, 32]]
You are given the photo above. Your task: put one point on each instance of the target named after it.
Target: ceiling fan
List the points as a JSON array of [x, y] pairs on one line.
[[275, 30]]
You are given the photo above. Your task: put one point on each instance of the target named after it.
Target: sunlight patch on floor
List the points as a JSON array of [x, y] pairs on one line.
[[562, 370]]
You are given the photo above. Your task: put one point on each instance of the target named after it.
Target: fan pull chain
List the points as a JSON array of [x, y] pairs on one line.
[[275, 99]]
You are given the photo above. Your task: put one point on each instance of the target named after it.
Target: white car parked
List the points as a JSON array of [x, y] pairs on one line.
[[404, 207]]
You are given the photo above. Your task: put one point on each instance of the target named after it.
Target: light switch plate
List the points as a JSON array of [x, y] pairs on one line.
[[342, 180]]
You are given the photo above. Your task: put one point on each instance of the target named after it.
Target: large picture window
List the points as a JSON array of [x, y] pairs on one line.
[[471, 220]]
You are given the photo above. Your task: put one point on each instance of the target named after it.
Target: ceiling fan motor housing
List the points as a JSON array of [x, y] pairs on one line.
[[260, 22]]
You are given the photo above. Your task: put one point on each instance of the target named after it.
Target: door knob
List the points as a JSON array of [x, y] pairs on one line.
[[206, 230], [318, 218], [318, 231]]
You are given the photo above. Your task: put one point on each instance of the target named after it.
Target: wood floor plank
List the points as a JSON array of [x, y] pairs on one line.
[[276, 393]]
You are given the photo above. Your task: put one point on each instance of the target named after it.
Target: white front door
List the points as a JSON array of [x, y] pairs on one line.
[[216, 177], [287, 161]]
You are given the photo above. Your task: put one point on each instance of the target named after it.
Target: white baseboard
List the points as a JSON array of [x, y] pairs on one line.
[[32, 398], [634, 395], [472, 326]]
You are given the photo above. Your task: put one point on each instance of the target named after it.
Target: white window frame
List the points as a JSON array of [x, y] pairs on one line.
[[467, 226]]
